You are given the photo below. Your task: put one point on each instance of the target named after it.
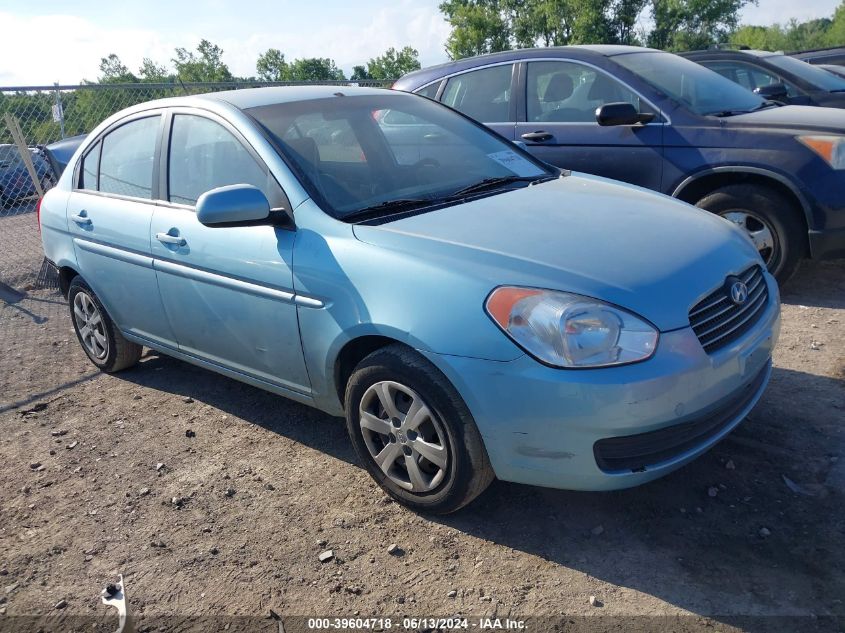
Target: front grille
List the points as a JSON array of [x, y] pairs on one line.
[[636, 453], [718, 321]]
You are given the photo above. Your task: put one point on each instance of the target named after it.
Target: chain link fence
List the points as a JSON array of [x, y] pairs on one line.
[[40, 126]]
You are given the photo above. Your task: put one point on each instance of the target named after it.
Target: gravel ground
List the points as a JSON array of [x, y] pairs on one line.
[[99, 477], [20, 245]]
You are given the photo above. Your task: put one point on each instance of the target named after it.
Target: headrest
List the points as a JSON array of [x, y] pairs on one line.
[[306, 149], [559, 88]]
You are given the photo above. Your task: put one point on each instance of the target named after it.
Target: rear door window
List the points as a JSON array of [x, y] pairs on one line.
[[90, 168], [483, 94], [128, 154], [429, 91]]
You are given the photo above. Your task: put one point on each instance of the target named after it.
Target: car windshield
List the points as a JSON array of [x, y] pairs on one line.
[[377, 154], [820, 78], [839, 71], [698, 88]]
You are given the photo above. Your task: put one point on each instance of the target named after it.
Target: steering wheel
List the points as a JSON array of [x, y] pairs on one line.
[[426, 162], [332, 188]]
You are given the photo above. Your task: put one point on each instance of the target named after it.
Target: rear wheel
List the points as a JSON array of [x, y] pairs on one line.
[[97, 333], [769, 219], [414, 433]]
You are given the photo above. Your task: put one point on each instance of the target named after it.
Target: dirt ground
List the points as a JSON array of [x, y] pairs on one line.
[[98, 478]]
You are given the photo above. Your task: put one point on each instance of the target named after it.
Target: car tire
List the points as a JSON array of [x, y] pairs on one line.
[[442, 429], [100, 339], [767, 217]]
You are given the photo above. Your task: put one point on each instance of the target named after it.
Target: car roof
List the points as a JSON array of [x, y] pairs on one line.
[[228, 100], [730, 52], [581, 51], [256, 97]]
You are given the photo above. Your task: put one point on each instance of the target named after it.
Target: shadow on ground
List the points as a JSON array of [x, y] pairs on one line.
[[817, 284], [751, 549]]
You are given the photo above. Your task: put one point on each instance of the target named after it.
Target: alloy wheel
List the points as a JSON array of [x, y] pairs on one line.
[[89, 323], [758, 229], [404, 437]]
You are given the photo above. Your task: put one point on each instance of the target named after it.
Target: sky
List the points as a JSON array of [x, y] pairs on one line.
[[58, 41]]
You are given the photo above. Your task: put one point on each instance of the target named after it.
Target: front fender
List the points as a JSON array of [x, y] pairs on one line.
[[368, 290], [733, 170]]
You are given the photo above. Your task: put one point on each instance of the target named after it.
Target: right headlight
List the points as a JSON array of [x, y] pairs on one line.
[[569, 330], [830, 147]]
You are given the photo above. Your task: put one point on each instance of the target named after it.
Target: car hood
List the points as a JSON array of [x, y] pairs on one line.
[[629, 246], [795, 118]]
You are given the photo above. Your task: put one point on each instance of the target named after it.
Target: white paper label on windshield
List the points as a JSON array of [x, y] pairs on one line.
[[516, 163]]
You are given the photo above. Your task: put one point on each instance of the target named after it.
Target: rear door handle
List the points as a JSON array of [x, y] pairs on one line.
[[81, 218], [537, 137], [167, 238]]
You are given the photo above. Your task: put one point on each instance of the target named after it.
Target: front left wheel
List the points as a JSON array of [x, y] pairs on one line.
[[97, 333], [414, 433]]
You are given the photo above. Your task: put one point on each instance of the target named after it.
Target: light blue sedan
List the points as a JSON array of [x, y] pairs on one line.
[[472, 312]]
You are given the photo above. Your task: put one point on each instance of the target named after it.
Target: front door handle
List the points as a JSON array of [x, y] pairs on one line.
[[167, 238], [81, 218], [537, 137]]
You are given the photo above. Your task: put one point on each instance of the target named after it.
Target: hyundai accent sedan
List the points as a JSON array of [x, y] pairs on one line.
[[471, 311]]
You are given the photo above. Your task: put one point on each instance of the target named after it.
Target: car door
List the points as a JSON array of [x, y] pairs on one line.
[[558, 123], [486, 95], [752, 77], [227, 290], [109, 213]]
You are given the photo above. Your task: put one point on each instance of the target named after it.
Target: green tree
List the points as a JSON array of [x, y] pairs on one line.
[[835, 35], [271, 66], [545, 22], [360, 73], [591, 22], [112, 70], [478, 27], [315, 69], [152, 72], [206, 65], [486, 26], [622, 22], [794, 35], [393, 64], [692, 24]]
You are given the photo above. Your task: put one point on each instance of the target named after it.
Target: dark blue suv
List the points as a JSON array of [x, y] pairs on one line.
[[663, 122]]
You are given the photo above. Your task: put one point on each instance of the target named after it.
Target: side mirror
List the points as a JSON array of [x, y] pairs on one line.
[[622, 113], [773, 92], [233, 204]]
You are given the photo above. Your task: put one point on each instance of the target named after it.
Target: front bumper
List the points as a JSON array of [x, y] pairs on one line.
[[828, 244], [541, 425]]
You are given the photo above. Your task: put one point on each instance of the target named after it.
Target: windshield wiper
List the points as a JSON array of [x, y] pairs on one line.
[[390, 206], [725, 113], [761, 106], [766, 104], [491, 183]]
